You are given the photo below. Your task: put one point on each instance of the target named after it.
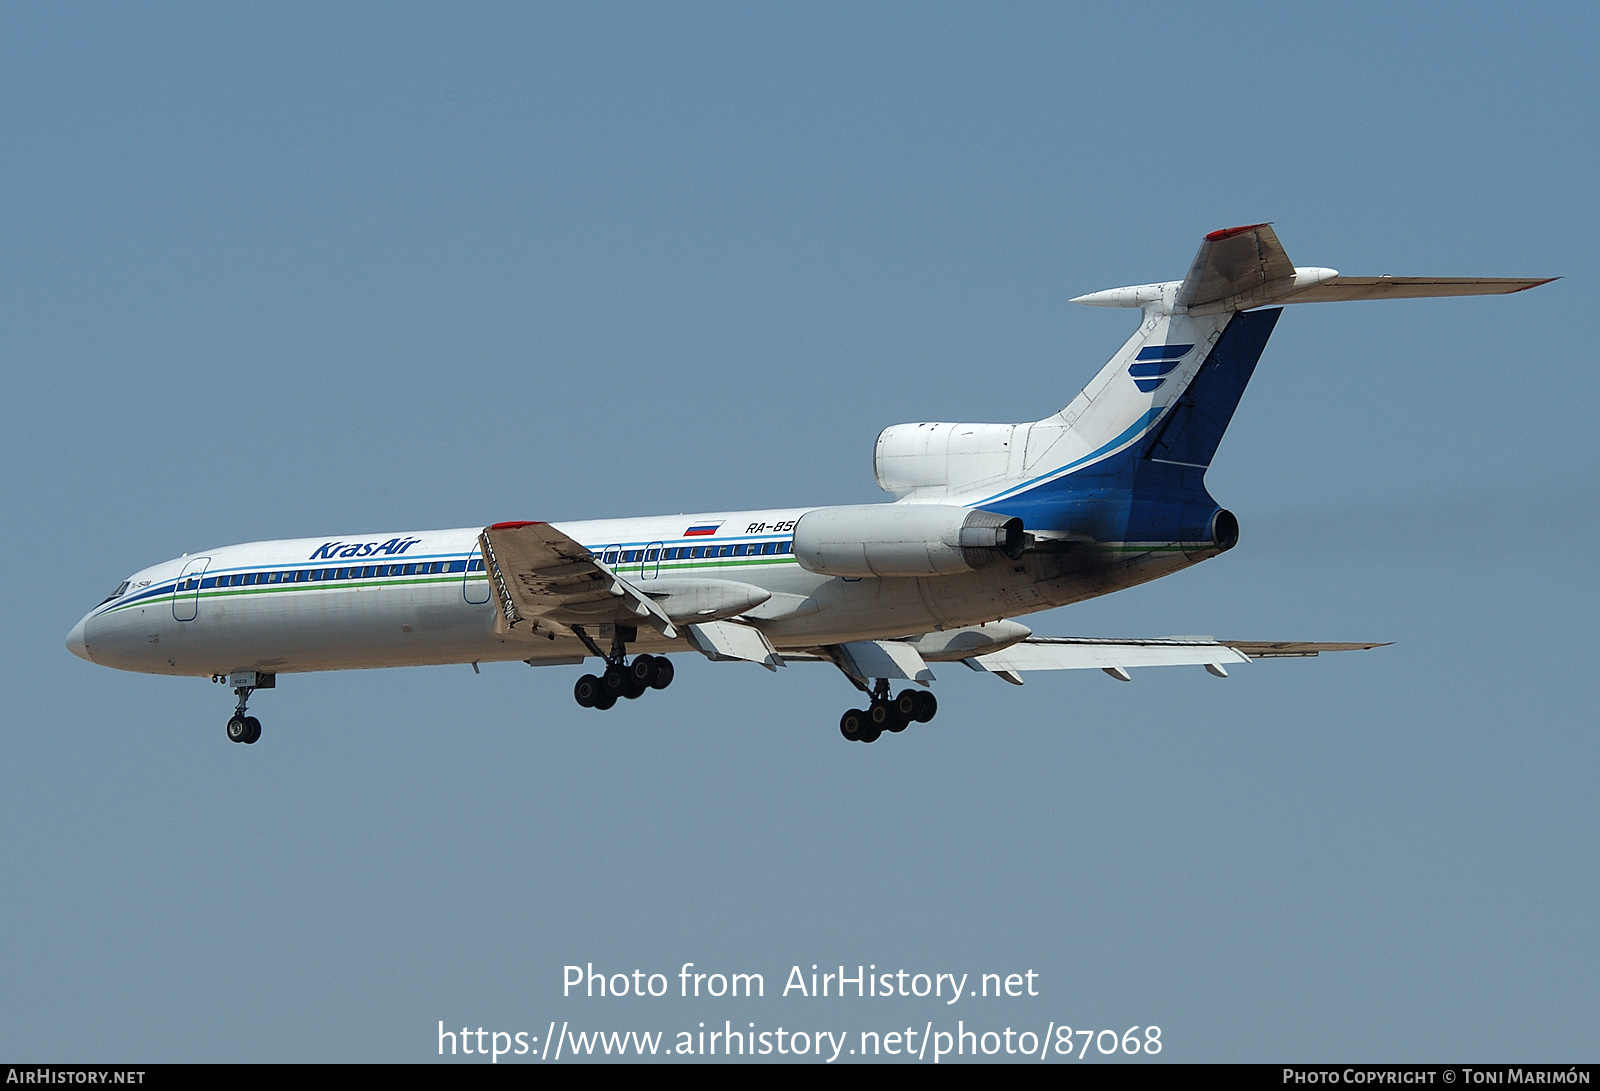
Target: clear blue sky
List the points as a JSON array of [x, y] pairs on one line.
[[289, 270]]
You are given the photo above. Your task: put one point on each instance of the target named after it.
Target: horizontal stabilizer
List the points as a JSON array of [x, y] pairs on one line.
[[1240, 268], [1343, 289]]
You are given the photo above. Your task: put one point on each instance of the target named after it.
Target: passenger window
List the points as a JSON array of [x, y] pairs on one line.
[[410, 570]]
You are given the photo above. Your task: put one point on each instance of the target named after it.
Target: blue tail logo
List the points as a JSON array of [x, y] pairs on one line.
[[1152, 366]]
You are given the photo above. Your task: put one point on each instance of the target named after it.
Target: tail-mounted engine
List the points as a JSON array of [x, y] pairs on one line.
[[904, 540]]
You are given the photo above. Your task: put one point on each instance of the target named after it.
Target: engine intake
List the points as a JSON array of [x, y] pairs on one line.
[[904, 540]]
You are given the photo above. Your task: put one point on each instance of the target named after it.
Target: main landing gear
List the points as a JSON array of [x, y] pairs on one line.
[[243, 727], [621, 678], [888, 713]]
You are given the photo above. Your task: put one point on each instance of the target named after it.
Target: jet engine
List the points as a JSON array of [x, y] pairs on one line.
[[904, 540]]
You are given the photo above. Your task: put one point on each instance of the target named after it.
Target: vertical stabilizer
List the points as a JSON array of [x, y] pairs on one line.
[[1162, 403]]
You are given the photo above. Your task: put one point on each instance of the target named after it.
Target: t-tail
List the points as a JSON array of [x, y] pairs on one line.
[[1125, 462]]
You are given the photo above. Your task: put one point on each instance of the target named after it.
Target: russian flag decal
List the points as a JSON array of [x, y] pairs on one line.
[[700, 532]]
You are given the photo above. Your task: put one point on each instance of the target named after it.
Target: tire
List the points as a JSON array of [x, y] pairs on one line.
[[871, 734], [605, 701], [664, 673], [238, 729], [614, 681], [853, 724], [634, 688], [927, 706], [905, 710], [586, 691], [642, 671], [255, 729], [881, 715]]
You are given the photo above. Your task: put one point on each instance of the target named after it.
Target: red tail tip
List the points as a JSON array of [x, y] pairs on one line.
[[1230, 232]]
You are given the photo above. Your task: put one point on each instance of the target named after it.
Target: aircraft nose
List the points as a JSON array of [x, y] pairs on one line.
[[75, 642]]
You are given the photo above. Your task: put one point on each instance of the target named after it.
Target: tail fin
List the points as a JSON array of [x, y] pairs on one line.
[[1170, 391], [1167, 395]]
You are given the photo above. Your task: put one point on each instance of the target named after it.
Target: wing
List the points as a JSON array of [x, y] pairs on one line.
[[544, 583], [1115, 657]]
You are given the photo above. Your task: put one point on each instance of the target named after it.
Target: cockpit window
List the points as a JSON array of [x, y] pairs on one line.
[[122, 589]]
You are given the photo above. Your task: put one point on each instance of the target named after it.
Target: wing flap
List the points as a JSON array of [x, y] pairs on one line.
[[1115, 657], [1086, 653], [864, 660], [725, 640]]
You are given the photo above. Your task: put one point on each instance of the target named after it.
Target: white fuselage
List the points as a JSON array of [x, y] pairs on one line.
[[391, 600]]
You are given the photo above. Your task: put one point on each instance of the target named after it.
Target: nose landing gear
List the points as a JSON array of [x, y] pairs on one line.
[[888, 713], [243, 727]]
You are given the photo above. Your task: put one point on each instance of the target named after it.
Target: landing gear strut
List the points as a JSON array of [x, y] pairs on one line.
[[621, 678], [887, 713], [243, 727]]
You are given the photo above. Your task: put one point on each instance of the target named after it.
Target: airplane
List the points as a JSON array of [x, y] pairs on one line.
[[988, 522]]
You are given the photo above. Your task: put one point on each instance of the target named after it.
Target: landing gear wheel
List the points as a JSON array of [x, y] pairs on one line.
[[255, 729], [238, 729], [871, 734], [642, 671], [927, 706], [883, 716], [614, 681], [853, 724], [664, 673], [634, 688], [905, 710], [605, 701], [587, 691]]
